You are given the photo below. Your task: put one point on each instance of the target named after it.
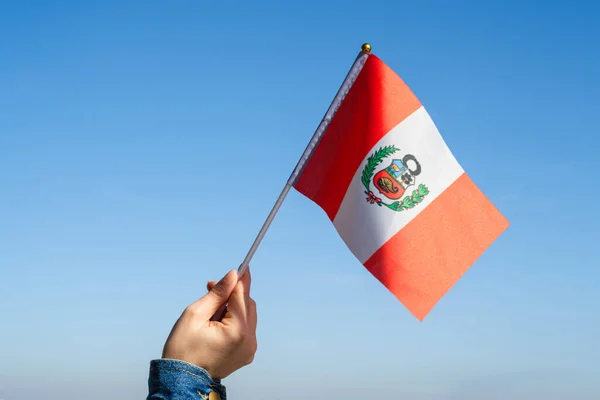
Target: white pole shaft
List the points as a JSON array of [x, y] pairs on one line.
[[335, 105]]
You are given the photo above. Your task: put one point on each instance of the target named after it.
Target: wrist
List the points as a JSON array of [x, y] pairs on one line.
[[180, 380]]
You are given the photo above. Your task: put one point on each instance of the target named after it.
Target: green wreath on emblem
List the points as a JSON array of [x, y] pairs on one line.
[[407, 202]]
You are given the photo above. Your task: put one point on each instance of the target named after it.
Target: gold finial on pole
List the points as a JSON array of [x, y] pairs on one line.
[[366, 48]]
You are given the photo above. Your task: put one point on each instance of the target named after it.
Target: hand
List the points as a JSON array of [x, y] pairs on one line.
[[219, 347]]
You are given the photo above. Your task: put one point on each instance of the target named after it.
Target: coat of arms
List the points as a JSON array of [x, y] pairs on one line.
[[394, 181]]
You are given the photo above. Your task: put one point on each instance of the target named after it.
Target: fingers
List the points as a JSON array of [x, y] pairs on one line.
[[252, 315], [218, 295], [210, 285], [239, 302], [246, 281]]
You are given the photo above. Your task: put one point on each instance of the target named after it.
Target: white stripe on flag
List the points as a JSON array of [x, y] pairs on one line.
[[366, 227]]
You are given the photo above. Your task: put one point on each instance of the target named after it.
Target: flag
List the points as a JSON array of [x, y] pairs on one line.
[[395, 193]]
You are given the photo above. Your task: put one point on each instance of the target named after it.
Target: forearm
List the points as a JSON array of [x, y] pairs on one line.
[[179, 380]]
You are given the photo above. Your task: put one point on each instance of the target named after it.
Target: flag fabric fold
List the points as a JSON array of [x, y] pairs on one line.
[[395, 193]]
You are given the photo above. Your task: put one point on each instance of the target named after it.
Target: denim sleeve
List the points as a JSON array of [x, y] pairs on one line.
[[179, 380]]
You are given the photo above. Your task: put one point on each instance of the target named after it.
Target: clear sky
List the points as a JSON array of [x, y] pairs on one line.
[[142, 144]]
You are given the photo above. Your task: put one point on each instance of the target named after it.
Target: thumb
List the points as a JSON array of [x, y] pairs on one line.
[[218, 295]]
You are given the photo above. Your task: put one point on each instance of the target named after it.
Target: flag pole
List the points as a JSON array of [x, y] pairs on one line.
[[357, 66]]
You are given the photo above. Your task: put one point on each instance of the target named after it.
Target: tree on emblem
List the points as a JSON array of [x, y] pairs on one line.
[[407, 178]]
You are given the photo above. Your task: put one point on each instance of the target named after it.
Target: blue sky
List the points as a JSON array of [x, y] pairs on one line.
[[142, 144]]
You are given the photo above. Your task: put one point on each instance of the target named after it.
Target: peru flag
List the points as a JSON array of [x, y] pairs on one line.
[[396, 194]]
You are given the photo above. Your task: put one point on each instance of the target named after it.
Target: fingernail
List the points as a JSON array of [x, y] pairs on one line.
[[223, 279]]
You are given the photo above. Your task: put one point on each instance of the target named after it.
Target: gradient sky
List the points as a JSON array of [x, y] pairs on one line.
[[142, 144]]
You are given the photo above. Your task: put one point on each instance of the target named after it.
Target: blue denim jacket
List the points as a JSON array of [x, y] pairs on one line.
[[179, 380]]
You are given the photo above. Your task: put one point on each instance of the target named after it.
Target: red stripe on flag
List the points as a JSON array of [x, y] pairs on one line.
[[429, 255], [377, 102]]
